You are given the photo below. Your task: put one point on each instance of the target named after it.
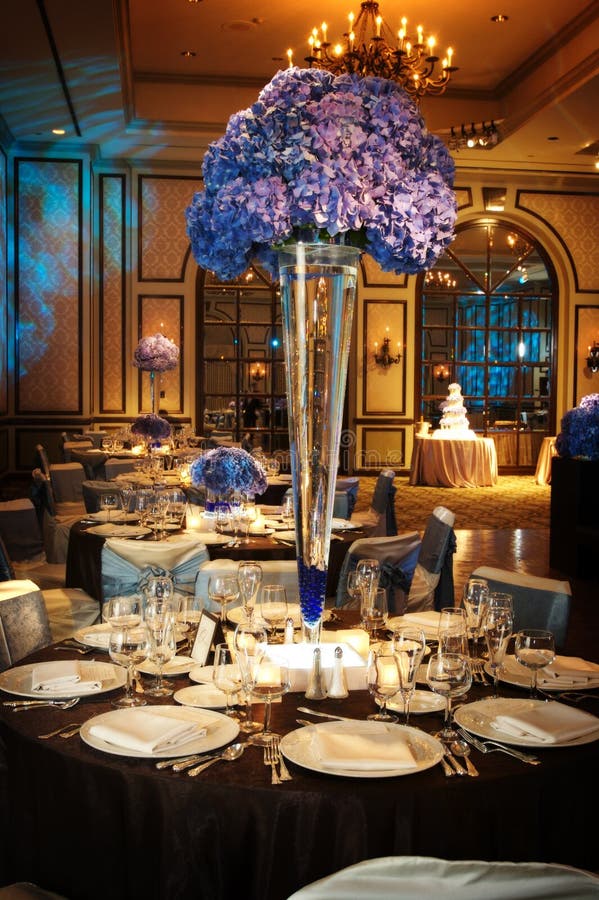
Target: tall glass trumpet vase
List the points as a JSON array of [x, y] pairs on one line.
[[318, 288], [154, 391]]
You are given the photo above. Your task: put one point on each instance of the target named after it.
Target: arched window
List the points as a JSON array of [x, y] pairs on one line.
[[488, 313]]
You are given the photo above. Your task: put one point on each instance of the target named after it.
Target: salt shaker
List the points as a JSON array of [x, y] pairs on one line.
[[338, 685], [316, 689], [288, 639]]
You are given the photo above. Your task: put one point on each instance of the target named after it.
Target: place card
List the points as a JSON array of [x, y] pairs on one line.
[[205, 638]]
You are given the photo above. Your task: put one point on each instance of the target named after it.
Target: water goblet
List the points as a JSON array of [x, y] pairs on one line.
[[176, 510], [189, 615], [226, 676], [123, 611], [249, 578], [476, 599], [117, 445], [354, 590], [449, 675], [249, 642], [373, 611], [143, 502], [160, 621], [128, 646], [223, 589], [368, 572], [383, 682], [158, 509], [535, 649], [160, 587], [498, 623], [452, 631], [287, 514], [408, 644], [222, 517], [109, 503], [106, 444], [270, 680], [273, 608]]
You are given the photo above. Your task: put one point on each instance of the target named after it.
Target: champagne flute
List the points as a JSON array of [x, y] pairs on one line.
[[249, 641], [535, 649], [273, 608], [271, 680], [476, 599], [160, 621], [383, 682], [249, 578], [449, 675], [128, 646], [408, 645], [226, 676], [497, 628], [223, 589]]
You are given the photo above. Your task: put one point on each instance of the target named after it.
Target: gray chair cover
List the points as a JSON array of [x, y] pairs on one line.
[[66, 480], [538, 602], [20, 530], [69, 446], [397, 555], [346, 494], [436, 556], [24, 625], [93, 490], [92, 461]]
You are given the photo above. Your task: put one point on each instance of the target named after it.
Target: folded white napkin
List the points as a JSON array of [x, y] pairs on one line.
[[150, 731], [98, 638], [63, 677], [569, 671], [548, 723], [367, 749]]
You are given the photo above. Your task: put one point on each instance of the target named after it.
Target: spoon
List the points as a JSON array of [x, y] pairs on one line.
[[461, 748], [228, 755], [20, 705]]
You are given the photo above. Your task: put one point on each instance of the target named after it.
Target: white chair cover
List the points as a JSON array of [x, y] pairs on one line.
[[419, 877], [127, 565], [24, 625], [69, 609], [274, 571]]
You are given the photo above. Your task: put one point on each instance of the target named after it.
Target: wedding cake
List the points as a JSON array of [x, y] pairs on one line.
[[454, 422]]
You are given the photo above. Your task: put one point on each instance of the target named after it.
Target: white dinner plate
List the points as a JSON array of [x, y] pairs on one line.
[[115, 515], [345, 525], [98, 636], [205, 674], [18, 681], [276, 525], [478, 719], [236, 615], [286, 535], [513, 673], [205, 696], [220, 730], [297, 747], [429, 624], [123, 531], [178, 665], [208, 537], [422, 702]]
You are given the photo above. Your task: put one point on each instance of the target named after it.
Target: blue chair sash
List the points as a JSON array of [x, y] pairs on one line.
[[121, 577]]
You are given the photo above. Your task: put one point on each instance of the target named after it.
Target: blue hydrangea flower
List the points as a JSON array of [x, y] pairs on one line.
[[579, 436], [152, 427], [229, 469], [348, 157], [156, 354]]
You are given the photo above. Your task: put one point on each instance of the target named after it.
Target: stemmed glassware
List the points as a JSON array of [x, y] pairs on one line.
[[123, 611], [177, 507], [374, 611], [160, 621], [452, 632], [190, 613], [408, 645], [449, 675], [248, 517], [287, 511], [226, 676], [158, 510], [353, 589], [367, 577], [249, 579], [223, 589], [273, 608], [250, 642], [498, 623], [383, 682], [535, 649], [109, 503], [476, 599], [143, 502], [271, 680], [128, 646]]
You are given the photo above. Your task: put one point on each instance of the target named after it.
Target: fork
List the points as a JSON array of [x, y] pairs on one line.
[[283, 770], [494, 747], [478, 671], [271, 760], [64, 731]]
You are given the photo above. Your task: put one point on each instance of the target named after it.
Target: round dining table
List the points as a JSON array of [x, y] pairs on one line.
[[90, 824], [453, 462]]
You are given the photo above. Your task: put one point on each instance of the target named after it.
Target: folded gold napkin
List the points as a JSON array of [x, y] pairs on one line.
[[150, 731], [548, 723], [372, 748], [569, 671], [67, 677]]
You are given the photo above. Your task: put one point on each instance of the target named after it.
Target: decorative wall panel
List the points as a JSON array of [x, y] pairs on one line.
[[586, 334], [384, 387], [163, 241], [3, 291], [374, 276], [575, 220], [48, 283], [381, 447], [163, 315], [463, 197], [112, 294]]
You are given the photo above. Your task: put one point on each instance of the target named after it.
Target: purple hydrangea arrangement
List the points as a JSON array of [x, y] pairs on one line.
[[228, 469], [151, 427], [579, 436], [344, 157], [156, 354]]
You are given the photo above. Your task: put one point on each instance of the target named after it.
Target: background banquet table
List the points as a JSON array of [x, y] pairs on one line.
[[442, 462], [546, 454], [92, 825]]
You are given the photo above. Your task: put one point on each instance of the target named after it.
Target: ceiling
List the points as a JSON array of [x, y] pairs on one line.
[[112, 73]]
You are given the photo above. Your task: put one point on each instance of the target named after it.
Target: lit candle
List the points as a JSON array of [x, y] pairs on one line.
[[419, 32], [431, 45], [379, 22], [352, 38], [193, 517], [388, 673], [290, 57], [323, 28], [449, 55], [268, 675]]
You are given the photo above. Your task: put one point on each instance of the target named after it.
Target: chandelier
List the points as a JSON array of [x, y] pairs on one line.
[[369, 47], [438, 279]]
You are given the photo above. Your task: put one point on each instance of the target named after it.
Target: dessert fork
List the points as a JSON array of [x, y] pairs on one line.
[[270, 760], [283, 770], [494, 747]]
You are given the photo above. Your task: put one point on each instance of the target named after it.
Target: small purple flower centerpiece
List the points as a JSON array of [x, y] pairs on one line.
[[228, 469], [156, 354], [579, 437], [151, 428]]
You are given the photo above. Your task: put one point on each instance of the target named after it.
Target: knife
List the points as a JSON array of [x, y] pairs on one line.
[[312, 712]]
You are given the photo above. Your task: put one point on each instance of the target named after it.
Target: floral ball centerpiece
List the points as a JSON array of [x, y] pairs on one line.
[[151, 428], [579, 437], [226, 469], [156, 354]]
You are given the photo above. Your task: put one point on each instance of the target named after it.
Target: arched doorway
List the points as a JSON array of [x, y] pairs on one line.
[[488, 312]]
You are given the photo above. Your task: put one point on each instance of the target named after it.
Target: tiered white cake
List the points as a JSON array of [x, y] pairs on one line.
[[454, 422]]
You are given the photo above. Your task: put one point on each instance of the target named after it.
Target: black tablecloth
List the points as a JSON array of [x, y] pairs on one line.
[[91, 825]]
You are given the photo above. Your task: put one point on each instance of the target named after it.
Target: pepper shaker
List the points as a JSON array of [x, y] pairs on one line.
[[288, 639], [316, 689]]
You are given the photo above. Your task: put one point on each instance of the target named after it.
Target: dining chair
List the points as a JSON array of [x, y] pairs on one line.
[[397, 555], [381, 514], [69, 445], [346, 495], [415, 877], [92, 493], [66, 480], [432, 584], [538, 602], [274, 571], [24, 623], [20, 529], [56, 520], [114, 467], [26, 890], [92, 461]]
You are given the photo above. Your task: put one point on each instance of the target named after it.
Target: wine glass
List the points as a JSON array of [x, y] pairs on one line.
[[383, 682], [236, 518], [476, 599], [143, 501], [373, 611], [226, 676], [249, 578], [498, 622], [273, 608], [190, 613], [535, 649], [123, 612], [128, 646], [249, 641], [158, 509], [106, 444], [452, 631], [270, 680], [287, 511], [160, 621], [177, 507], [248, 516], [109, 503], [223, 589], [408, 645], [353, 589], [222, 517], [160, 587], [449, 675]]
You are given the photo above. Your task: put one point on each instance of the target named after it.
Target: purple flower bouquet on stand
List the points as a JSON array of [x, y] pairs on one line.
[[155, 354]]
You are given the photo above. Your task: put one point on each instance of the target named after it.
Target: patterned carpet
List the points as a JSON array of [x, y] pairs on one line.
[[514, 502]]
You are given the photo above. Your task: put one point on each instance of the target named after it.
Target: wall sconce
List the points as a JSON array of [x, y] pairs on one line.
[[593, 358], [257, 373], [383, 356], [441, 374]]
